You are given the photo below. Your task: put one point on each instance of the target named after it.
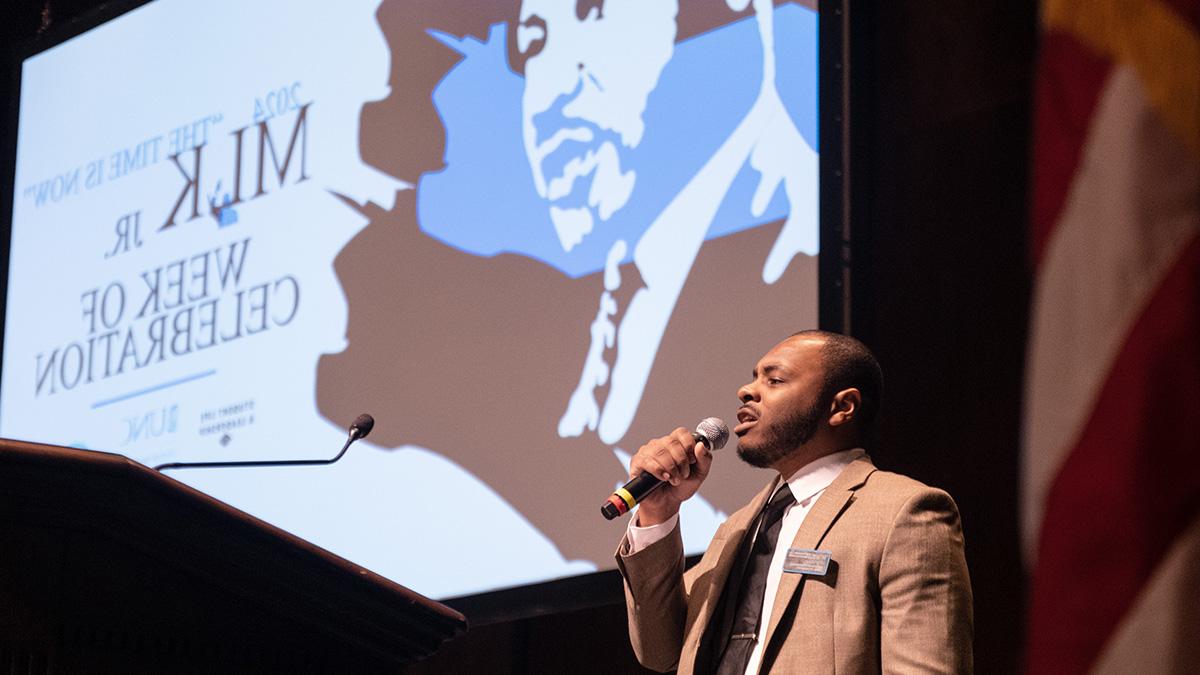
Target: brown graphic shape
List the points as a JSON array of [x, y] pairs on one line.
[[475, 358], [402, 134]]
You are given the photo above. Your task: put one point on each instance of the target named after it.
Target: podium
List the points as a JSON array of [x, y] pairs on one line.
[[108, 566]]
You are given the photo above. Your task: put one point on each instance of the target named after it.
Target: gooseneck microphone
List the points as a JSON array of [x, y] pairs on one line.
[[712, 432], [359, 429]]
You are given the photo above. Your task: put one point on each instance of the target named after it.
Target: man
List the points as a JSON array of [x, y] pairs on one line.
[[844, 569]]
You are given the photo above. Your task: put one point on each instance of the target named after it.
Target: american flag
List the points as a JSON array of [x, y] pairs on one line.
[[1111, 474]]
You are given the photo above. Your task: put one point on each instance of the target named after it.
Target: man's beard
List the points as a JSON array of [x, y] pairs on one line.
[[782, 438]]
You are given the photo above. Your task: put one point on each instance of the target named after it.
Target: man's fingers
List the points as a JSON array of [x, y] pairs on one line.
[[704, 458], [674, 458], [666, 468], [680, 444], [658, 463], [683, 468], [667, 471], [683, 441], [650, 465]]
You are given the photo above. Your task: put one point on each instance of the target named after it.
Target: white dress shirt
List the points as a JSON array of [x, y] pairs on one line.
[[806, 484]]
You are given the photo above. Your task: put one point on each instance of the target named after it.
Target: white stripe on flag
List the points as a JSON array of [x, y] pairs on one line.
[[1127, 218], [1157, 635]]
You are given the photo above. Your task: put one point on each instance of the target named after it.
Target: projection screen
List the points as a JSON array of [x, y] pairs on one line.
[[525, 236]]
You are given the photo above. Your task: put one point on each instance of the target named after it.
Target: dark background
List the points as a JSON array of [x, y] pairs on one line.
[[941, 104]]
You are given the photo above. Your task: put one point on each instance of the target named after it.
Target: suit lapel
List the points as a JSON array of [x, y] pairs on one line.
[[832, 502]]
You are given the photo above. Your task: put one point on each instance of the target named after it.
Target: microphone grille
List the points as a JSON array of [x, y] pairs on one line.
[[362, 426], [715, 430]]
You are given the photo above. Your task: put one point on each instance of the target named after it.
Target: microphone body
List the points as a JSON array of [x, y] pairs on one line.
[[712, 432]]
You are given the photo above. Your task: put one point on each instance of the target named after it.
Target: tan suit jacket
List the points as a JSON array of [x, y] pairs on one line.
[[896, 598]]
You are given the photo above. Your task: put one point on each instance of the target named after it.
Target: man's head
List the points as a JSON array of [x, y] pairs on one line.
[[589, 68], [814, 393]]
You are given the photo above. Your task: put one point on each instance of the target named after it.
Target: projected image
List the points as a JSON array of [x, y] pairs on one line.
[[527, 237]]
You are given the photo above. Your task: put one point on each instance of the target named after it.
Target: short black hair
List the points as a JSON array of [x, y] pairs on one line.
[[849, 363]]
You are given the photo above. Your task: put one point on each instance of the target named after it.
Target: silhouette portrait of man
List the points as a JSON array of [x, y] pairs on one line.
[[613, 208]]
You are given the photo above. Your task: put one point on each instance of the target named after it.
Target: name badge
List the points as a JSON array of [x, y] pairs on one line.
[[807, 561]]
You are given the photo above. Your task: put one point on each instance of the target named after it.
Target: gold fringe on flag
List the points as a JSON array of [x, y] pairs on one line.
[[1161, 46]]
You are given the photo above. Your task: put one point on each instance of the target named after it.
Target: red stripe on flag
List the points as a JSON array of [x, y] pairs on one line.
[[1069, 81], [1129, 487]]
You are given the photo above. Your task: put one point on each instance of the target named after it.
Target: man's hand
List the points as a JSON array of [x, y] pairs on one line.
[[670, 459]]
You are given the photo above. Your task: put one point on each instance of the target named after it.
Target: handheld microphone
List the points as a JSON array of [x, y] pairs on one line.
[[711, 431], [361, 426]]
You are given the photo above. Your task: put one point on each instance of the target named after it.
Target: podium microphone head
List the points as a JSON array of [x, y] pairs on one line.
[[362, 426]]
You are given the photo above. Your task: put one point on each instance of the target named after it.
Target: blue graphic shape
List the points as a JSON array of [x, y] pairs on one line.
[[226, 215], [796, 53], [484, 201]]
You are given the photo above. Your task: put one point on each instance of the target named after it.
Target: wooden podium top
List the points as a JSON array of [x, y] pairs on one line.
[[104, 558]]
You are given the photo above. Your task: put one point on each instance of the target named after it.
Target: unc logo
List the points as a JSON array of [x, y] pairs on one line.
[[152, 424]]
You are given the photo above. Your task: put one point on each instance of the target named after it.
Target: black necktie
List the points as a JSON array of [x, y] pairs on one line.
[[751, 587]]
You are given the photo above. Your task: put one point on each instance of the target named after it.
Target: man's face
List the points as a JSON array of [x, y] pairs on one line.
[[590, 65], [781, 406]]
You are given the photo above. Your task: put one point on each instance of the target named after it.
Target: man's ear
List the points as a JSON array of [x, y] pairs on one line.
[[845, 406]]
